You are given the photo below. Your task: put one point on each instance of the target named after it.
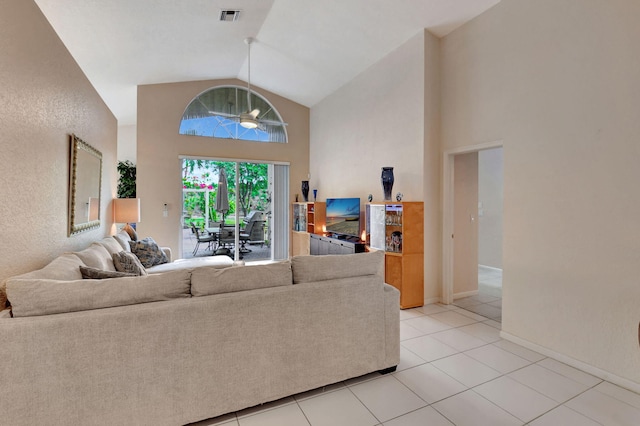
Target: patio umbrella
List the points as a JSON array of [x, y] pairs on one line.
[[222, 196]]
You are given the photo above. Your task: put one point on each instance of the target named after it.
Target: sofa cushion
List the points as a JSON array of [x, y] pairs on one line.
[[148, 252], [321, 268], [32, 297], [123, 239], [100, 274], [63, 267], [211, 280], [128, 263], [195, 262], [96, 256], [111, 245]]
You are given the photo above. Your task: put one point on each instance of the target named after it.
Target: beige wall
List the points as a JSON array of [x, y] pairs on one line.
[[385, 117], [45, 97], [160, 108], [127, 144], [490, 190], [558, 83]]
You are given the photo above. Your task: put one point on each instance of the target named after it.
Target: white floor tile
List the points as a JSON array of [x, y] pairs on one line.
[[617, 392], [563, 416], [428, 348], [408, 359], [471, 315], [428, 324], [516, 398], [340, 408], [410, 313], [466, 370], [432, 309], [458, 339], [521, 351], [288, 415], [498, 359], [605, 409], [570, 372], [493, 323], [454, 319], [470, 409], [424, 416], [319, 391], [429, 383], [387, 398], [484, 298], [554, 385], [482, 331], [409, 332], [466, 302]]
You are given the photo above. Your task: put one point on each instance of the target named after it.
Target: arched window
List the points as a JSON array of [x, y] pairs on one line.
[[216, 113]]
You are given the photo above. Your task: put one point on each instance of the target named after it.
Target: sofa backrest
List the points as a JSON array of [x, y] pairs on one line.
[[206, 281], [329, 267], [34, 296]]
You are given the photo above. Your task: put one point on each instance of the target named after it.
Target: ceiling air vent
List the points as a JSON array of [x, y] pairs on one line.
[[229, 15]]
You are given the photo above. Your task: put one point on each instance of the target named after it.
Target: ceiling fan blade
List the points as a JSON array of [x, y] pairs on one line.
[[255, 113]]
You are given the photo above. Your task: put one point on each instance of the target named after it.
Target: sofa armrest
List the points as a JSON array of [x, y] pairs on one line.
[[167, 252]]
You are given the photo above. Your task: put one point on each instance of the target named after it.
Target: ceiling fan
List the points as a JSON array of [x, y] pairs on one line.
[[250, 119]]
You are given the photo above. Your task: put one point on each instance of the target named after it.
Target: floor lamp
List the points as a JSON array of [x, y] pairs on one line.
[[127, 211]]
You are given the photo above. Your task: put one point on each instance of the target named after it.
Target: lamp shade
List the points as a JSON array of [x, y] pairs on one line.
[[126, 210]]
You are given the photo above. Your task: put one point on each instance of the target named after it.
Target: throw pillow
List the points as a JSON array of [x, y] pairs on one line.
[[129, 263], [132, 232], [99, 274], [148, 252]]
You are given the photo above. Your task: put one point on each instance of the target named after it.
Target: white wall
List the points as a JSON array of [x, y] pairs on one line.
[[490, 206], [127, 143], [385, 117], [558, 83]]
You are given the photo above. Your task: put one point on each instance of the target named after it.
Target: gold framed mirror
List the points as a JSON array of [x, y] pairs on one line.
[[85, 181]]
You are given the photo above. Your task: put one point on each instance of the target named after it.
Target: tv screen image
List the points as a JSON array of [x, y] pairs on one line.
[[343, 216]]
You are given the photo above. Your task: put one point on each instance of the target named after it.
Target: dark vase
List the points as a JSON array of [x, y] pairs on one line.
[[305, 190], [387, 182]]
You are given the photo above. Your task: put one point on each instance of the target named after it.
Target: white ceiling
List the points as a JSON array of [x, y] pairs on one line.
[[304, 49]]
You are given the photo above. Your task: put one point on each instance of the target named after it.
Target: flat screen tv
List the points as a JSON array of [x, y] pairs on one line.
[[343, 216]]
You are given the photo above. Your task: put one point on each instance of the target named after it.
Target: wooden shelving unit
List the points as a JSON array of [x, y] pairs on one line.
[[398, 229]]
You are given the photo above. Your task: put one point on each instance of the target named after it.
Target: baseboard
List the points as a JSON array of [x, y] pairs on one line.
[[432, 300], [594, 371], [465, 294], [490, 268]]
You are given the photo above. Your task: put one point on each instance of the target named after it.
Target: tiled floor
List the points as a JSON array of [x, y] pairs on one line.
[[488, 301], [455, 370]]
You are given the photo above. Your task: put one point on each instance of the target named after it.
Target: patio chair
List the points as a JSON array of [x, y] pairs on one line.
[[253, 232], [209, 239]]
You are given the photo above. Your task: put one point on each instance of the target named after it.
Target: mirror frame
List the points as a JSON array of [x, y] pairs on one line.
[[77, 145]]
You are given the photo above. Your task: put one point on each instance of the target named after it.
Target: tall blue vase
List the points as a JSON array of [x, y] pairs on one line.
[[387, 182]]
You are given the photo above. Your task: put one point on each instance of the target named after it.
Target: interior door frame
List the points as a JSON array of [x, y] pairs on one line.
[[448, 212]]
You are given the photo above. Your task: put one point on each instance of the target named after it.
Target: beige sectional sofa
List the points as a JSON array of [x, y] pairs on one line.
[[180, 346]]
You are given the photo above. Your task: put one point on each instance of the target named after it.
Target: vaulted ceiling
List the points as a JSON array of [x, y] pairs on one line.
[[304, 49]]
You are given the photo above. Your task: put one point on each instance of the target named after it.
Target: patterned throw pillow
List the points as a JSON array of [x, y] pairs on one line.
[[99, 274], [148, 252], [129, 263]]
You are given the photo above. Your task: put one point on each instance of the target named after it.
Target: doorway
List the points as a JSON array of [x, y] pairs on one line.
[[472, 229], [246, 228]]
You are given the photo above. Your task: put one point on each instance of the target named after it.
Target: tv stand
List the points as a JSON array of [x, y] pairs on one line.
[[320, 245]]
